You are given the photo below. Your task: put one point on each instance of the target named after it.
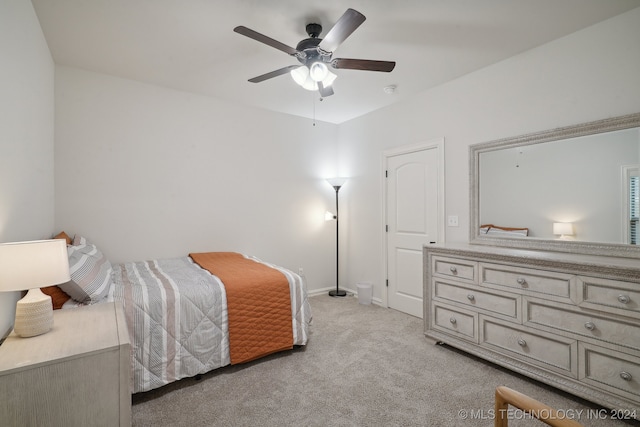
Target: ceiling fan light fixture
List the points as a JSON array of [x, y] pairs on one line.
[[318, 71], [328, 81], [309, 84], [301, 76]]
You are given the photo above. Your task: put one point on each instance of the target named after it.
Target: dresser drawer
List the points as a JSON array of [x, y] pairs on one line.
[[453, 267], [528, 281], [560, 317], [609, 369], [539, 348], [609, 295], [504, 304], [455, 321]]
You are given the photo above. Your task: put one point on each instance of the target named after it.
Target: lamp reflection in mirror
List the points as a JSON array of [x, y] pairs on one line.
[[308, 78], [336, 183], [30, 266], [563, 229]]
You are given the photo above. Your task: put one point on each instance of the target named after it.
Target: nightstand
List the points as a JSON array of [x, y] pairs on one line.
[[78, 374]]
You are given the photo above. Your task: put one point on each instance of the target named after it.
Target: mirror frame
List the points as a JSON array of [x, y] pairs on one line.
[[582, 247]]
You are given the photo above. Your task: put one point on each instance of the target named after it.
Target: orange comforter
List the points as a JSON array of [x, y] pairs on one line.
[[258, 303]]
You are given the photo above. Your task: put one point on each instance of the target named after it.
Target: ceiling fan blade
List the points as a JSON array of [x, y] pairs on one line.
[[325, 91], [272, 74], [264, 39], [363, 64], [342, 29]]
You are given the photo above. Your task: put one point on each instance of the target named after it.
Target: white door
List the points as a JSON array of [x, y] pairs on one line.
[[414, 217]]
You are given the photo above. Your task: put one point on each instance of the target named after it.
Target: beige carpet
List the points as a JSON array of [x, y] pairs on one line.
[[364, 366]]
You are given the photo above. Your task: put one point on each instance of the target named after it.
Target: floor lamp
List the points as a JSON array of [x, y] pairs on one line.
[[336, 183]]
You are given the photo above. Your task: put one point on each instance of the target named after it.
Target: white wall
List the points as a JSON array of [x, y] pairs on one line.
[[146, 172], [586, 76], [26, 134]]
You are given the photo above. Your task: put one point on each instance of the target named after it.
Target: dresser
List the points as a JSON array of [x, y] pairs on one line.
[[78, 374], [571, 321]]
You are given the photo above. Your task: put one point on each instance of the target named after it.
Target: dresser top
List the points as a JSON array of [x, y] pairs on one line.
[[626, 268]]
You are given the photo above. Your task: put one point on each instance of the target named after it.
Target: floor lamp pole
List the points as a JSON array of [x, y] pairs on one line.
[[337, 292]]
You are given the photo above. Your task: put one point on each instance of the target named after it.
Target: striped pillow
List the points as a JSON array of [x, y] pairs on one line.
[[90, 273]]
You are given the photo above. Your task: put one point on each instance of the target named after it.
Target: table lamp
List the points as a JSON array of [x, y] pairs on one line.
[[30, 266], [563, 229]]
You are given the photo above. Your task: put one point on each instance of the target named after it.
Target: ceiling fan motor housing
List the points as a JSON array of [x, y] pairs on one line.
[[309, 46]]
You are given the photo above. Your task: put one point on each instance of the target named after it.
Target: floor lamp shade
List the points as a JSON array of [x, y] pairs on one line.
[[336, 183], [30, 266]]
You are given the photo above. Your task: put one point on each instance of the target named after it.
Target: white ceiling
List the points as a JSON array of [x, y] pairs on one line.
[[190, 45]]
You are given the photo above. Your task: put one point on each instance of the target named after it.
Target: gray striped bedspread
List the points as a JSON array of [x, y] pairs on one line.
[[177, 318]]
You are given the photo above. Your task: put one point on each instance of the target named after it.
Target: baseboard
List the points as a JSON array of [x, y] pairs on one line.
[[350, 293]]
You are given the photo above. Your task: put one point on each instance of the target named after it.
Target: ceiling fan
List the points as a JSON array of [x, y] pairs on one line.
[[315, 53]]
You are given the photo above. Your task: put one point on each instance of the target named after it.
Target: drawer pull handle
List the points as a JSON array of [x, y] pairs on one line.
[[521, 342], [590, 326], [624, 299], [521, 281], [470, 297], [625, 376], [452, 320], [453, 269]]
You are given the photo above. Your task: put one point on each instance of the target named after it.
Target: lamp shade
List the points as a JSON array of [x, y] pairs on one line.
[[34, 264], [336, 182], [318, 71], [301, 76], [563, 228], [329, 79]]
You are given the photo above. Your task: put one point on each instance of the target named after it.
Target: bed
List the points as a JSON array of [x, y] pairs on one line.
[[184, 320], [500, 231]]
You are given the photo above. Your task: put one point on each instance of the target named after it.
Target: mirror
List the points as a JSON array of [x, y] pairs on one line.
[[572, 189]]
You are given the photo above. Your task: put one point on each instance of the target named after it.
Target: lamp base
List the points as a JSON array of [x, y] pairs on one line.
[[34, 314], [338, 293]]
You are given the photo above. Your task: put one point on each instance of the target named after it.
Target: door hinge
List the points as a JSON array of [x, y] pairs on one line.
[[387, 283], [386, 174], [386, 228]]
